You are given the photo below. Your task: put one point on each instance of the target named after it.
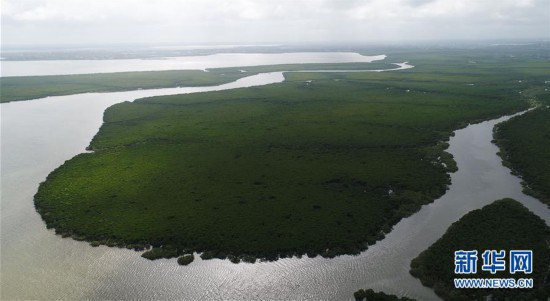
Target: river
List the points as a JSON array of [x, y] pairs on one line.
[[39, 135]]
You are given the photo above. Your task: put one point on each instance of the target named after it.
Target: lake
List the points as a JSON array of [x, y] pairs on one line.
[[59, 67]]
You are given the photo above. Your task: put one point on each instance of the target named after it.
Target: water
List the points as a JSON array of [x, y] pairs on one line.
[[58, 67], [37, 136]]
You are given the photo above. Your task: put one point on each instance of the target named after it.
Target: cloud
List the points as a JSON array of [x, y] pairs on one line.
[[419, 2], [246, 21]]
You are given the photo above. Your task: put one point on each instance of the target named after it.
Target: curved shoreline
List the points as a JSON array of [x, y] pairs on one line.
[[400, 66], [261, 279], [501, 140], [17, 88], [502, 225], [200, 62], [161, 251]]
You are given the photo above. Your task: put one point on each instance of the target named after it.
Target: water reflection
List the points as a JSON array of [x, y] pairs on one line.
[[37, 136]]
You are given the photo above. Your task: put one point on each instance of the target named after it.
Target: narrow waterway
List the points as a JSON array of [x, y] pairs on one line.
[[37, 136]]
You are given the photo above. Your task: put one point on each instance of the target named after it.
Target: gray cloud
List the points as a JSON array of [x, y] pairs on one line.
[[419, 2], [263, 21]]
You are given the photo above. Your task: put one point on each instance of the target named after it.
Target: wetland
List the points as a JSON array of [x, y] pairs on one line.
[[319, 116]]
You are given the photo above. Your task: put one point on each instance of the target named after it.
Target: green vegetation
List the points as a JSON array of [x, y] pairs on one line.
[[32, 87], [376, 65], [166, 251], [473, 65], [370, 295], [321, 164], [186, 259], [525, 148], [502, 225]]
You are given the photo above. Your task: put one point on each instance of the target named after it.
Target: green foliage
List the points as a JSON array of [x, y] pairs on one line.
[[525, 147], [359, 295], [206, 255], [502, 225], [320, 167], [32, 87], [161, 252], [186, 259], [376, 65], [370, 295]]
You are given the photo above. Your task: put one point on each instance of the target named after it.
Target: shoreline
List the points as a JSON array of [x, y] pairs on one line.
[[167, 251], [100, 82], [198, 62], [32, 253], [505, 157], [157, 251]]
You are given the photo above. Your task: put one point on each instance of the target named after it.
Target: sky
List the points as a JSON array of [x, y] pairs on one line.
[[200, 22]]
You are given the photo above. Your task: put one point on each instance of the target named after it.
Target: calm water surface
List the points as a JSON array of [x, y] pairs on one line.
[[39, 135], [57, 67]]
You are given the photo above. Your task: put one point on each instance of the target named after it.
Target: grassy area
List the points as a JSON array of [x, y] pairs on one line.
[[370, 295], [32, 87], [502, 225], [525, 148], [323, 163]]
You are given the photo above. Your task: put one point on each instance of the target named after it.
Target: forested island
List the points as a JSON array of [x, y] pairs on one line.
[[525, 147], [321, 164], [502, 225]]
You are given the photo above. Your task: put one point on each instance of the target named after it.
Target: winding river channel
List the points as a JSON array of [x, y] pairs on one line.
[[39, 135]]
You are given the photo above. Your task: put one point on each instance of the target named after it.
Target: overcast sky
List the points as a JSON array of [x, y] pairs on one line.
[[27, 22]]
